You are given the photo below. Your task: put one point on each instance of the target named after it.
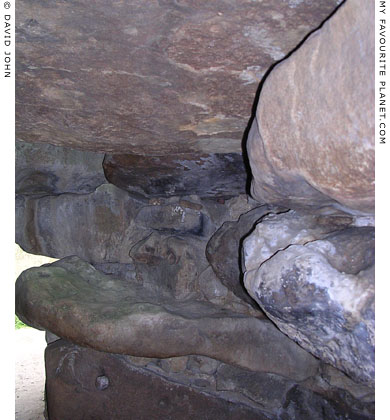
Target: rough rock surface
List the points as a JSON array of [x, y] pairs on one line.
[[318, 290], [98, 227], [223, 251], [312, 142], [158, 243], [156, 77], [168, 264], [192, 387], [46, 169], [212, 175], [71, 299], [83, 384], [104, 225], [275, 232], [173, 218]]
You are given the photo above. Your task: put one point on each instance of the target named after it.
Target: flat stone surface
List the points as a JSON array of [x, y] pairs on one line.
[[318, 288], [312, 141], [73, 300], [156, 77]]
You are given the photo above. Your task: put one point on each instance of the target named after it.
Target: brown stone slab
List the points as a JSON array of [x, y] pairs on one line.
[[84, 384]]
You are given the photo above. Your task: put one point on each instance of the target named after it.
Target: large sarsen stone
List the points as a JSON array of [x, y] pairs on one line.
[[312, 142]]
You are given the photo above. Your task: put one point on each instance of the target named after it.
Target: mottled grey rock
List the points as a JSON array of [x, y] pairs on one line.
[[320, 292], [150, 78], [173, 218], [305, 405], [337, 379], [201, 364], [266, 389], [123, 271], [73, 300], [278, 231], [98, 227], [46, 169], [169, 265], [210, 287], [206, 175], [312, 141], [224, 251]]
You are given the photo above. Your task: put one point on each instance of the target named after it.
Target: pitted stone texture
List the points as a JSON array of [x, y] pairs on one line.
[[73, 300], [319, 296], [155, 77], [46, 169], [206, 175], [312, 142]]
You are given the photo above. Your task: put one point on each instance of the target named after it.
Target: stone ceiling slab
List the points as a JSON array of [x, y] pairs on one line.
[[149, 78]]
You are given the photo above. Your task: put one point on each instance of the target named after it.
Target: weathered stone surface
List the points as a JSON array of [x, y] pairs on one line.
[[319, 291], [46, 169], [84, 384], [304, 405], [212, 290], [276, 232], [107, 385], [312, 142], [173, 77], [73, 300], [266, 389], [173, 218], [158, 244], [169, 265], [98, 227], [224, 250], [205, 175]]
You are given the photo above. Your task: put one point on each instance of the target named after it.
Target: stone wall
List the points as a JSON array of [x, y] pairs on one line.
[[176, 295]]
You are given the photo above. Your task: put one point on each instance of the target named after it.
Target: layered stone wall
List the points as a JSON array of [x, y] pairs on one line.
[[130, 170]]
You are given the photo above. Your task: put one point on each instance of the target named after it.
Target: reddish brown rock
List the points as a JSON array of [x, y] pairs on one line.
[[155, 77], [312, 142]]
